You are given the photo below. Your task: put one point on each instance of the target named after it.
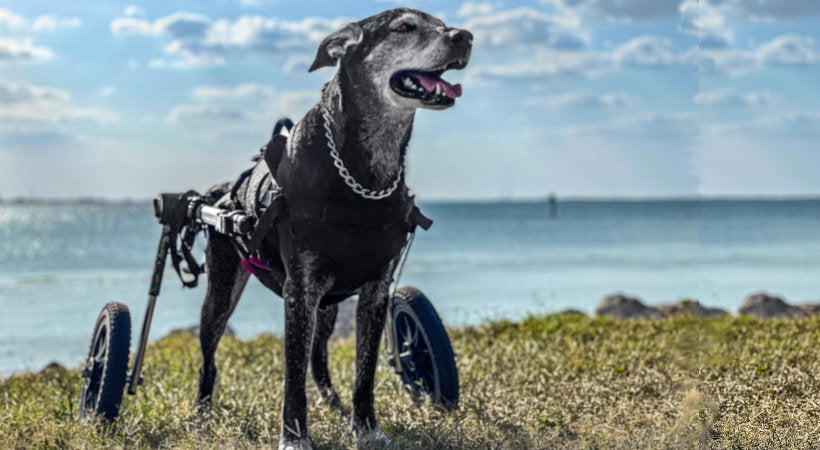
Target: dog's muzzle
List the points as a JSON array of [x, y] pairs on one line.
[[426, 85]]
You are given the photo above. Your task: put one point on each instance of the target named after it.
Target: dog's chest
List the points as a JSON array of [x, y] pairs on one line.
[[355, 254]]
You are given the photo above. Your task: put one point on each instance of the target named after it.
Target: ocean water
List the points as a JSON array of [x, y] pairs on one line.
[[480, 261]]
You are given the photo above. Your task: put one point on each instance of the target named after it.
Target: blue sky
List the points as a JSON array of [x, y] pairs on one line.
[[592, 98]]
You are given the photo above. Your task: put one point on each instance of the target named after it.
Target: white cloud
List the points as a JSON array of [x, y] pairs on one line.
[[206, 114], [791, 124], [697, 16], [231, 92], [767, 9], [523, 28], [197, 41], [252, 2], [642, 52], [581, 99], [729, 98], [14, 21], [134, 11], [727, 62], [789, 50], [785, 51], [22, 92], [48, 23], [248, 105], [659, 125], [707, 23], [620, 9], [11, 20], [26, 103], [22, 50], [468, 9], [646, 51], [179, 25], [544, 65], [107, 91]]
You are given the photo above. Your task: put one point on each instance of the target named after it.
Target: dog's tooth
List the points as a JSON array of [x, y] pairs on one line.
[[408, 82], [438, 88]]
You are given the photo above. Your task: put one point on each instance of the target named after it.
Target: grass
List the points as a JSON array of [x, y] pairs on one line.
[[556, 381]]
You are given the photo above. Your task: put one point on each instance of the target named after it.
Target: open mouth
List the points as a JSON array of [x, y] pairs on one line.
[[427, 86]]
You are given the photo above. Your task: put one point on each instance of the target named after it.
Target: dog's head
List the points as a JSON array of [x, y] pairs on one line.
[[399, 54]]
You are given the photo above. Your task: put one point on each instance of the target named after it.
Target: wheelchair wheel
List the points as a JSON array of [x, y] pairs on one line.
[[105, 368], [422, 350]]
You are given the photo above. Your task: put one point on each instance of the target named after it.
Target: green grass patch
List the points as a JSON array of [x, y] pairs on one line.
[[556, 381]]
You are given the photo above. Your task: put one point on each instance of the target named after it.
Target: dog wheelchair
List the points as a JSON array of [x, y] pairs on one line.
[[417, 344]]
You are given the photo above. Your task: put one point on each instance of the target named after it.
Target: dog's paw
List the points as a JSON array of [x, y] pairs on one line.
[[330, 398], [295, 444], [370, 438], [203, 408]]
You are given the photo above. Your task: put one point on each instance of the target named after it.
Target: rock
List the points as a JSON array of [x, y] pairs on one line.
[[770, 307], [811, 309], [194, 331], [692, 307], [620, 306], [573, 311], [345, 319], [53, 366]]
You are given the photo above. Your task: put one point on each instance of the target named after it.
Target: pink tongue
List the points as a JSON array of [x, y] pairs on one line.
[[429, 84]]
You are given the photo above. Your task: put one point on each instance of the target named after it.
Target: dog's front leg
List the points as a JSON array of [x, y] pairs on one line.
[[370, 316], [305, 285]]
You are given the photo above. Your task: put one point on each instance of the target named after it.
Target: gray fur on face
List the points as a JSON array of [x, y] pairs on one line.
[[370, 52]]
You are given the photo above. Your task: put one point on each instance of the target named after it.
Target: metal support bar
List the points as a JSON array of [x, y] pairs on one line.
[[390, 341], [153, 292]]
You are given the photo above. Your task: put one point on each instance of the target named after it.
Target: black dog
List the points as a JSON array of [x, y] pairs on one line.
[[347, 206]]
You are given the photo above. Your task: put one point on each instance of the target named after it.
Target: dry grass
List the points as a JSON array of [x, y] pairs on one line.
[[556, 381]]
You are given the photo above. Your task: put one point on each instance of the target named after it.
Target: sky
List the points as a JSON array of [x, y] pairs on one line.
[[580, 98]]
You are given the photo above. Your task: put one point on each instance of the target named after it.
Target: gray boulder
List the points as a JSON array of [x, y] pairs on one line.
[[811, 309], [345, 319], [620, 306], [770, 307], [53, 366], [689, 306]]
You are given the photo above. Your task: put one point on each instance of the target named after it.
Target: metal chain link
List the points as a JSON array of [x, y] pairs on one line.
[[347, 177]]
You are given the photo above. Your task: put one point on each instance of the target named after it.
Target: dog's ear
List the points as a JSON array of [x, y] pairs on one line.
[[335, 46]]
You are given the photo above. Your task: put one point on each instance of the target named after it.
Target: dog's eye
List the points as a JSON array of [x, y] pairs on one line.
[[405, 27]]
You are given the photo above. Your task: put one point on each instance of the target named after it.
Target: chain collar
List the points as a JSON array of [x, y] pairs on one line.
[[347, 177]]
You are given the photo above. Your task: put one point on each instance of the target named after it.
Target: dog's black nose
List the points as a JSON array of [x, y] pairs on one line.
[[462, 35]]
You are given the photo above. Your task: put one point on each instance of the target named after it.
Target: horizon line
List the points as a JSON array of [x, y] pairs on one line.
[[83, 199]]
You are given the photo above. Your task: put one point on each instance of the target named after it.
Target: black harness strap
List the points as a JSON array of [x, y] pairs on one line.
[[272, 215], [416, 218], [175, 213], [186, 246]]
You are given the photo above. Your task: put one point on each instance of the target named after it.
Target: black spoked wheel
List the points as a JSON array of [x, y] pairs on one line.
[[106, 365], [423, 355]]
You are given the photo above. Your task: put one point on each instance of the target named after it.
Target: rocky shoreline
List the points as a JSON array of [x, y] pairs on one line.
[[616, 306], [761, 305]]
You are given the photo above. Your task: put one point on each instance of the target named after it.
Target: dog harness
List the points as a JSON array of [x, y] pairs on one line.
[[359, 239]]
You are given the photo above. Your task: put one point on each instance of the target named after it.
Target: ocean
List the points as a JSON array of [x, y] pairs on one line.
[[59, 264]]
